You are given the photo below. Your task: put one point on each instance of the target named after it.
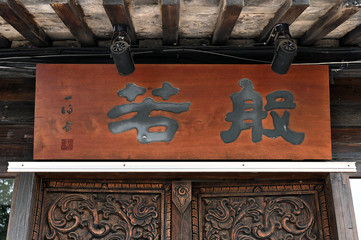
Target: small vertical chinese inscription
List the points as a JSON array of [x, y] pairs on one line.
[[67, 109]]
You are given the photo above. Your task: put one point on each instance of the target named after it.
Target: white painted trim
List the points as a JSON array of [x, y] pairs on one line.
[[159, 166]]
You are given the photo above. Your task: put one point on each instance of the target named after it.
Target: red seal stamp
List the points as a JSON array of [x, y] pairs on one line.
[[66, 144]]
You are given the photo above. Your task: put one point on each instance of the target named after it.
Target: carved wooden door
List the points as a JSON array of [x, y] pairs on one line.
[[118, 210]]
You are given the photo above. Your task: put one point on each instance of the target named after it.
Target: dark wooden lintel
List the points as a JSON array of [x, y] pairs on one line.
[[170, 21], [20, 18], [72, 15], [118, 13], [229, 12], [353, 37], [4, 42], [288, 13], [337, 15]]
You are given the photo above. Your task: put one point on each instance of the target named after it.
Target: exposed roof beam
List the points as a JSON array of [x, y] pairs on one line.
[[118, 13], [4, 42], [288, 13], [72, 15], [337, 15], [353, 37], [20, 18], [229, 11], [170, 21]]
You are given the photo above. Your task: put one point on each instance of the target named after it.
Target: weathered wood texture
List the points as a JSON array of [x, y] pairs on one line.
[[19, 17], [170, 21], [229, 11], [21, 89], [118, 13], [4, 42], [287, 13], [346, 118], [23, 206], [200, 128], [341, 212], [72, 15], [337, 15], [16, 120], [353, 37]]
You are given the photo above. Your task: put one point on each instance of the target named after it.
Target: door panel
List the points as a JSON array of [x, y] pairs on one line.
[[260, 211], [181, 210], [103, 210]]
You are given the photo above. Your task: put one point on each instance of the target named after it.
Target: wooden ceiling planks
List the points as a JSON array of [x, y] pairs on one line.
[[353, 37], [229, 12], [20, 18], [288, 13], [337, 15], [72, 15], [217, 24]]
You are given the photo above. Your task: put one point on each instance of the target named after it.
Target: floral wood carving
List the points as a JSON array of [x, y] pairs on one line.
[[278, 218], [181, 195], [78, 210], [250, 212], [136, 218]]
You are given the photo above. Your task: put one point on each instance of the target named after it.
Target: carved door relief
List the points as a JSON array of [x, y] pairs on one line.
[[262, 211], [181, 210], [103, 210]]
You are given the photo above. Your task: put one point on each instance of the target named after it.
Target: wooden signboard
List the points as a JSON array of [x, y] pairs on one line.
[[182, 112]]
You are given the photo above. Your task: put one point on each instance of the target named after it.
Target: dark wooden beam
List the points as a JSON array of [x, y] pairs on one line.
[[229, 11], [118, 13], [353, 37], [288, 13], [20, 18], [337, 15], [4, 42], [170, 21], [72, 15]]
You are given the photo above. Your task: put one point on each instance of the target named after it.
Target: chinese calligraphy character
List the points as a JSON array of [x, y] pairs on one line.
[[67, 126], [248, 113], [70, 109], [142, 122]]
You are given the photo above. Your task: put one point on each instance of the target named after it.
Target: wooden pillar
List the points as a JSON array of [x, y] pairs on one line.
[[341, 211], [181, 210], [23, 206]]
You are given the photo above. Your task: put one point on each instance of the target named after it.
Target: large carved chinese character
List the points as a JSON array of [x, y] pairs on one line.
[[142, 122], [248, 113]]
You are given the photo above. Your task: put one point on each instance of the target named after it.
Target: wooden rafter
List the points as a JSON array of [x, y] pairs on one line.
[[170, 21], [20, 18], [118, 13], [337, 15], [4, 42], [288, 13], [353, 37], [229, 11], [72, 15]]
